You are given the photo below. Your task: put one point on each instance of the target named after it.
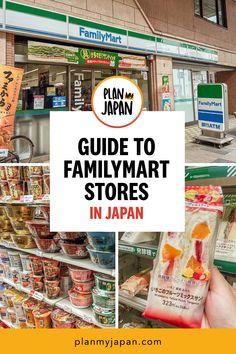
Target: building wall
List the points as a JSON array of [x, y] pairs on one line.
[[2, 48], [229, 78], [124, 13]]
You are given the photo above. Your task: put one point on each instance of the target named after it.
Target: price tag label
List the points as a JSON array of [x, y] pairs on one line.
[[27, 198], [36, 295], [46, 197], [3, 152], [7, 198]]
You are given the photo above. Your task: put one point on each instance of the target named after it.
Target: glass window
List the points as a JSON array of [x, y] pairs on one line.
[[141, 79], [101, 74], [211, 10], [43, 87], [183, 93], [81, 89]]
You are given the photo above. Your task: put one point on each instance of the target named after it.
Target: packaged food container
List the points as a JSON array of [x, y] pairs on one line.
[[25, 173], [80, 274], [12, 172], [22, 322], [16, 189], [25, 279], [4, 257], [29, 305], [11, 315], [36, 265], [83, 287], [37, 282], [103, 299], [25, 261], [103, 259], [42, 318], [7, 271], [35, 170], [46, 169], [9, 297], [74, 250], [52, 288], [80, 237], [45, 210], [46, 184], [36, 187], [3, 176], [15, 261], [66, 283], [3, 310], [102, 241], [105, 282], [50, 263], [23, 241], [51, 273], [18, 308], [106, 317], [40, 229], [84, 325], [80, 300], [62, 319], [5, 189], [19, 214], [15, 275], [47, 245]]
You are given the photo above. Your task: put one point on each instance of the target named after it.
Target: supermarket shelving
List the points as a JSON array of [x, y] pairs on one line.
[[84, 263], [133, 301], [8, 323], [141, 249]]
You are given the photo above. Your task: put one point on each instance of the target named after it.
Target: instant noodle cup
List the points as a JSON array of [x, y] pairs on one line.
[[50, 263], [46, 184], [20, 213], [80, 274], [11, 315], [35, 170], [37, 282], [40, 229], [15, 275], [29, 305], [105, 317], [36, 265], [83, 324], [25, 261], [47, 245], [4, 257], [45, 210], [16, 188], [83, 287], [3, 176], [80, 237], [5, 190], [74, 250], [62, 319], [18, 307], [3, 310], [25, 279], [12, 172], [105, 282], [80, 300], [22, 322], [51, 273], [26, 174], [42, 318], [15, 261], [46, 169], [103, 299], [23, 241], [52, 288], [36, 187]]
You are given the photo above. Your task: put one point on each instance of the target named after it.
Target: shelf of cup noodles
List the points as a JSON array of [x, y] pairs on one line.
[[50, 282], [25, 184]]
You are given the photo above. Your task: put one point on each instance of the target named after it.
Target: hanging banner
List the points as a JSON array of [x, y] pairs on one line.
[[10, 82]]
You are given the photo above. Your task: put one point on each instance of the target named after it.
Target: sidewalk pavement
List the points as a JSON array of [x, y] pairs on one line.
[[205, 153], [42, 159]]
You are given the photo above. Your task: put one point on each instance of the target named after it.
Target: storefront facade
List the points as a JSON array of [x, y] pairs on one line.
[[64, 57]]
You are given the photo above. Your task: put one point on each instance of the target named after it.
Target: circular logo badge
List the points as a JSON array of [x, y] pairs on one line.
[[117, 101]]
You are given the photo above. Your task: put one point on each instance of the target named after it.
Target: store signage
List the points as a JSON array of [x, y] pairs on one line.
[[77, 97], [96, 57], [59, 101], [38, 102], [116, 163], [10, 82], [212, 107], [101, 36]]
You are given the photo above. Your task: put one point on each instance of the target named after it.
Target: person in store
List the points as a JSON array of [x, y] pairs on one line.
[[220, 306]]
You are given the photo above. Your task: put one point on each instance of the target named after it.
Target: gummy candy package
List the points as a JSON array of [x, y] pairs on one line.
[[182, 268]]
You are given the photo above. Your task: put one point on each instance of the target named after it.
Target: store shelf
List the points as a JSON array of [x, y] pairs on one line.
[[141, 249], [84, 263], [226, 266], [133, 301], [225, 175]]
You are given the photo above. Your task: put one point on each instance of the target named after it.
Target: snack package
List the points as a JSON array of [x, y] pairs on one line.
[[226, 238], [136, 283], [182, 268], [138, 237]]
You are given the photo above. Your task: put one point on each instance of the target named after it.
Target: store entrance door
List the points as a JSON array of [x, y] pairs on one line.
[[199, 77]]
